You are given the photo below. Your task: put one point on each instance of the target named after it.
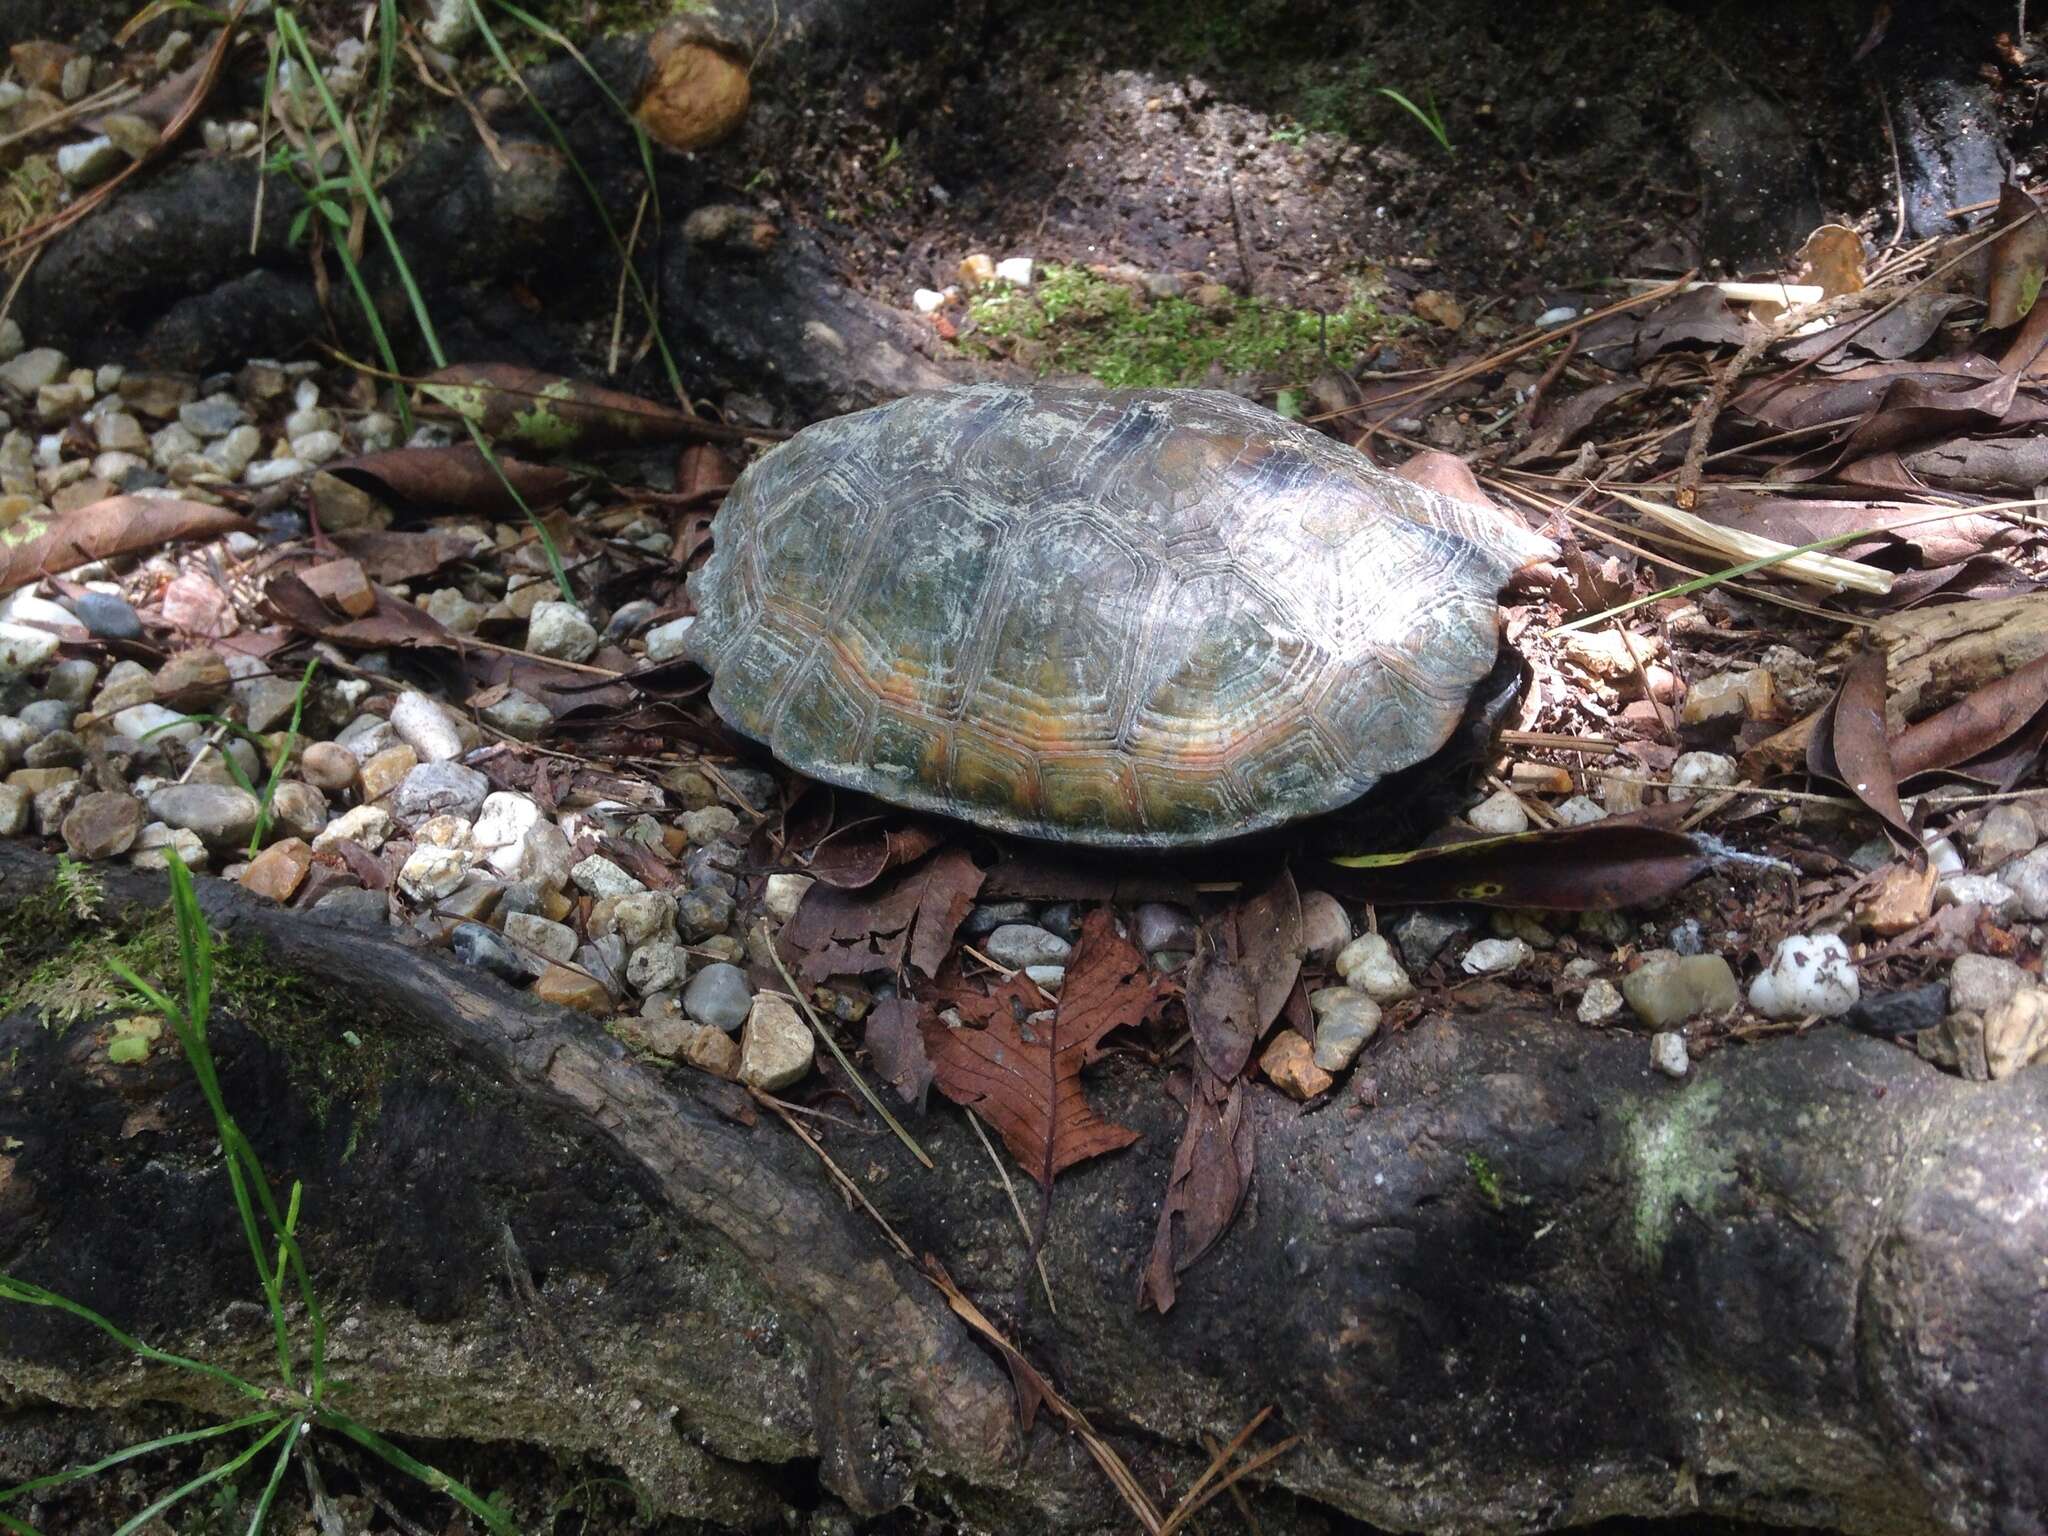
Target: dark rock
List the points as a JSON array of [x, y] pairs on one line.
[[106, 616], [354, 907], [1758, 171], [488, 950], [1422, 933], [1905, 1012]]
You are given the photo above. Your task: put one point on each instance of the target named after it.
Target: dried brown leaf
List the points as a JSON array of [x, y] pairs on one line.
[[388, 557], [393, 623], [1853, 747], [1598, 867], [1027, 1084], [1212, 1174], [2018, 258], [46, 542], [894, 1042], [458, 479]]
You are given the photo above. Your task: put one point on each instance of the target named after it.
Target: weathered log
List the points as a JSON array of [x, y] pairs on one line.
[[1514, 1280]]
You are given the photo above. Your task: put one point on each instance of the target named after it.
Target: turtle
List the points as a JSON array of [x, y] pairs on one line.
[[1114, 618]]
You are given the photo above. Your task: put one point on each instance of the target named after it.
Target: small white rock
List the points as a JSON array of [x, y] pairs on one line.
[[1810, 975], [430, 872], [1017, 270], [1602, 1002], [1701, 770], [1368, 964], [927, 301], [1668, 1053], [23, 649], [1490, 955], [426, 727], [665, 641], [783, 895], [776, 1047], [560, 630], [1500, 814], [1580, 810], [88, 163]]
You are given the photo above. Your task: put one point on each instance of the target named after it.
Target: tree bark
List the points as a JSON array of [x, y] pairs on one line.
[[1511, 1280]]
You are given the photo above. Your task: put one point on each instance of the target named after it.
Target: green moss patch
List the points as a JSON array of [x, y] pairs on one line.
[[1076, 321]]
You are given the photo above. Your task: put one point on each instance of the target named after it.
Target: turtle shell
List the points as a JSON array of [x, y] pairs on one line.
[[1123, 618]]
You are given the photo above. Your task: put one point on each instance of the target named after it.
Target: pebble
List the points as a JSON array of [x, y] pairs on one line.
[[1289, 1064], [1809, 975], [1157, 925], [278, 870], [1017, 270], [354, 907], [267, 702], [367, 826], [27, 372], [518, 715], [328, 766], [155, 843], [435, 789], [102, 825], [702, 911], [1325, 927], [1602, 1002], [551, 940], [91, 161], [1986, 891], [383, 771], [665, 641], [106, 616], [2027, 878], [1701, 770], [451, 610], [708, 825], [220, 815], [215, 416], [58, 749], [1368, 964], [1424, 932], [1490, 955], [480, 947], [1668, 1053], [1979, 983], [1729, 695], [425, 726], [23, 649], [783, 894], [713, 1051], [560, 630], [992, 915], [1905, 1012], [1017, 945], [567, 988], [2006, 832], [599, 877], [1062, 918], [776, 1047], [641, 918], [1500, 814], [1579, 811], [264, 472], [718, 996], [928, 301], [1669, 988], [1345, 1021], [656, 966], [1047, 978], [431, 872], [16, 803]]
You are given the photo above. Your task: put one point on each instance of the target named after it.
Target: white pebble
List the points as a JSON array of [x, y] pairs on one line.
[[1490, 955], [1668, 1053], [927, 301], [1602, 1002], [1701, 770], [1500, 814], [1016, 269], [1368, 964], [1808, 976]]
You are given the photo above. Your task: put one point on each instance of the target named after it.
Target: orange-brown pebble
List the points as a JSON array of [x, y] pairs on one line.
[[278, 870], [1290, 1065], [572, 989], [342, 584], [387, 770], [328, 765]]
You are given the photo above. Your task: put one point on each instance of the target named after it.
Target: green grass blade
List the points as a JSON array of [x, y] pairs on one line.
[[279, 759], [549, 34], [284, 1460], [1433, 121], [205, 1479], [17, 1527], [28, 1294], [129, 1453], [492, 1516]]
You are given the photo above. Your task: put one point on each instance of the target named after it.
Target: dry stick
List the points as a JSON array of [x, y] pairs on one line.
[[838, 1174], [611, 363], [1529, 342], [1218, 1460], [1257, 1464], [874, 1102], [1244, 1508], [1010, 1189]]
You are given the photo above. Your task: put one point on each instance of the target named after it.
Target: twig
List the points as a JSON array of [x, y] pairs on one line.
[[1010, 1189], [838, 1174], [1244, 1507], [824, 1034]]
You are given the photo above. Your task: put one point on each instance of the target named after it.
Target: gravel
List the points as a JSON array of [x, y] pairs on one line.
[[718, 996]]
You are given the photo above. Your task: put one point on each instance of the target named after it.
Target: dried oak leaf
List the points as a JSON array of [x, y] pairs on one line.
[[1026, 1080], [43, 542], [914, 914]]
